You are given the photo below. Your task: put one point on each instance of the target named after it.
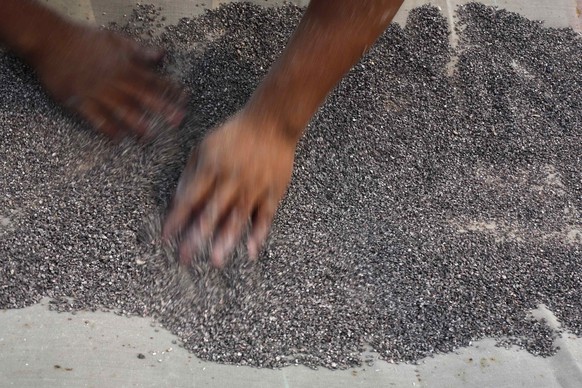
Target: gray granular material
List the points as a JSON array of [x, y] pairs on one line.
[[429, 206]]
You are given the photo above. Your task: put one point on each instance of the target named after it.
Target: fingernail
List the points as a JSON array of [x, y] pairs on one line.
[[185, 257], [177, 117], [153, 54], [183, 100], [118, 137], [187, 252], [217, 259], [224, 248], [72, 102], [174, 223], [252, 249], [143, 127], [166, 235]]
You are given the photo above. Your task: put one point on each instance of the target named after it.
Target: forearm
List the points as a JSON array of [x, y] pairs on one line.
[[27, 27], [330, 39]]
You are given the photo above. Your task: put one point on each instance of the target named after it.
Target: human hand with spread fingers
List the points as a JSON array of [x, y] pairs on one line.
[[241, 170], [107, 79]]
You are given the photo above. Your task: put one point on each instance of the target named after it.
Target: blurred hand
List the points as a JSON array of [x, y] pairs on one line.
[[108, 80], [239, 172]]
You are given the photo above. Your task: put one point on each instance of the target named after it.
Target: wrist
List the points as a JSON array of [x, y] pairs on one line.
[[274, 107], [30, 30], [269, 123]]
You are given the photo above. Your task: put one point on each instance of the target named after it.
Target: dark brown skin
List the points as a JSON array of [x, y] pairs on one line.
[[105, 78], [241, 170]]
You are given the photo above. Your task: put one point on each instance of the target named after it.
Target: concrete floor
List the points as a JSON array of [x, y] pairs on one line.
[[39, 348], [43, 348], [556, 13]]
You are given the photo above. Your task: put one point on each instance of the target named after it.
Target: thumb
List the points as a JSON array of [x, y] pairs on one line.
[[149, 55]]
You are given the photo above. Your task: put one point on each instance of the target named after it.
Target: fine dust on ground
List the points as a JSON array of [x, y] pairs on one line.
[[428, 207]]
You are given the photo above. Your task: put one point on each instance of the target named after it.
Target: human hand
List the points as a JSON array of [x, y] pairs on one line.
[[108, 80], [240, 171]]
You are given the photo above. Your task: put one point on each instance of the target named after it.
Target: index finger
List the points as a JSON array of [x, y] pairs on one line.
[[188, 199]]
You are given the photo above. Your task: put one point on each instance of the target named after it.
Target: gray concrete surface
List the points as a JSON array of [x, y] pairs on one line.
[[42, 348], [556, 13]]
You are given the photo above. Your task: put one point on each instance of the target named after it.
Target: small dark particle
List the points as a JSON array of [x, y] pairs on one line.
[[141, 356]]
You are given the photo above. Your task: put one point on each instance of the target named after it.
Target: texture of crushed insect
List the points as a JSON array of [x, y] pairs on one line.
[[426, 209]]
